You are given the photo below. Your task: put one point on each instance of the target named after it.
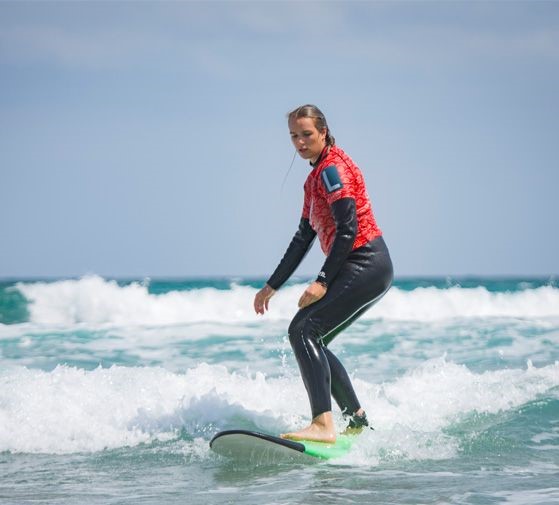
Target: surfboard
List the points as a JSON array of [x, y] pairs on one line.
[[261, 448]]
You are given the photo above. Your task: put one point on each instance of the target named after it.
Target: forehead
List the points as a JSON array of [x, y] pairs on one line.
[[302, 123]]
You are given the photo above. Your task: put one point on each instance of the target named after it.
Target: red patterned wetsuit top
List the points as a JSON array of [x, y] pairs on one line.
[[337, 176]]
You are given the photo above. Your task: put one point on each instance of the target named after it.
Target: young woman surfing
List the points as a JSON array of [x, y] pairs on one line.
[[357, 271]]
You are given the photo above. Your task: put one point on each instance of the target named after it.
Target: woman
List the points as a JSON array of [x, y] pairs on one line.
[[356, 273]]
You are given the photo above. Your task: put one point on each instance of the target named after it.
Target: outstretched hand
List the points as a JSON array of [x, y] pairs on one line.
[[262, 299], [312, 294]]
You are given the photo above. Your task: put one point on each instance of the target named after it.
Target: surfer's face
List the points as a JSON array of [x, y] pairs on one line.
[[306, 138]]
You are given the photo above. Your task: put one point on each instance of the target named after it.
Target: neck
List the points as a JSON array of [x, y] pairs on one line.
[[323, 153]]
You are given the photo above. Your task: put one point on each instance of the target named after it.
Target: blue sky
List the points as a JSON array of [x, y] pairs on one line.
[[150, 139]]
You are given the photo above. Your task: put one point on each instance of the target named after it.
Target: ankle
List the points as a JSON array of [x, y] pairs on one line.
[[324, 421]]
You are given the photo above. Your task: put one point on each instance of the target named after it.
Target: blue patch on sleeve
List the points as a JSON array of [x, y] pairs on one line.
[[331, 179]]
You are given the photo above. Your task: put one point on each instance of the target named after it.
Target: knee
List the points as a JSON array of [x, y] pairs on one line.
[[301, 329], [296, 332]]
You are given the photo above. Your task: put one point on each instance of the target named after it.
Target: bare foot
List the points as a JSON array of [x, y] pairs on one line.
[[321, 429]]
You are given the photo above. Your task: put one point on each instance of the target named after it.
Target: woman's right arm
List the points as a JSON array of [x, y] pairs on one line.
[[297, 250]]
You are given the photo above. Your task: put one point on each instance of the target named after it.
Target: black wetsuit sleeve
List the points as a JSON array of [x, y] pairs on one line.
[[297, 250], [345, 216]]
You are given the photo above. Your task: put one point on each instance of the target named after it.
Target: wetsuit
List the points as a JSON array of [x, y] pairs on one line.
[[357, 272]]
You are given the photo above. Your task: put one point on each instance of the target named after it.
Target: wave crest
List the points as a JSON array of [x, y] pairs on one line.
[[74, 410], [94, 300]]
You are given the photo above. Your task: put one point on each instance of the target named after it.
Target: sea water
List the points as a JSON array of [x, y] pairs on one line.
[[111, 390]]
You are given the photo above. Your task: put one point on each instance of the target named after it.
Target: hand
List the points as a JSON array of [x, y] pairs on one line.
[[262, 298], [312, 294]]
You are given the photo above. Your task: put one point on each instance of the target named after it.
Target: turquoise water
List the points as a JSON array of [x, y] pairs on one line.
[[110, 392]]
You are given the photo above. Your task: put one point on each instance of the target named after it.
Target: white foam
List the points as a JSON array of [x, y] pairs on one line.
[[528, 496], [429, 304], [93, 300], [410, 414], [73, 410], [447, 390]]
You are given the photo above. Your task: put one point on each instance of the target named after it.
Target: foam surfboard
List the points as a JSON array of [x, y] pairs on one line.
[[261, 448]]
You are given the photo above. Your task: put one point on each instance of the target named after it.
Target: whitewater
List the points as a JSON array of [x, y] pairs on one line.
[[111, 390]]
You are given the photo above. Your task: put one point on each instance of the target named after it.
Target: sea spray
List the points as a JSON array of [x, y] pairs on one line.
[[71, 410]]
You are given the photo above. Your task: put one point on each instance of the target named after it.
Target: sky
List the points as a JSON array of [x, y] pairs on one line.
[[149, 139]]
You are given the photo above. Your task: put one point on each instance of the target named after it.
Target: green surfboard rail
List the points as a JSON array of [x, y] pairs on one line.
[[325, 450]]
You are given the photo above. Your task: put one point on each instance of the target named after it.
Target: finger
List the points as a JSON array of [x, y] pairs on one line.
[[258, 307]]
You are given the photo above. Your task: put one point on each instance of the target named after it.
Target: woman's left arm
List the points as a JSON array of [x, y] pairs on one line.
[[345, 216]]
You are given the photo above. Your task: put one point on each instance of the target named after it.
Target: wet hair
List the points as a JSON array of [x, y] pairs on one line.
[[318, 118]]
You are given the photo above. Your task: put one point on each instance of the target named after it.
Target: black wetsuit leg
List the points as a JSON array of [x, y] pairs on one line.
[[363, 279]]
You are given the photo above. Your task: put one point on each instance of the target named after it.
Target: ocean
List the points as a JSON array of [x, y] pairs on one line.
[[110, 392]]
